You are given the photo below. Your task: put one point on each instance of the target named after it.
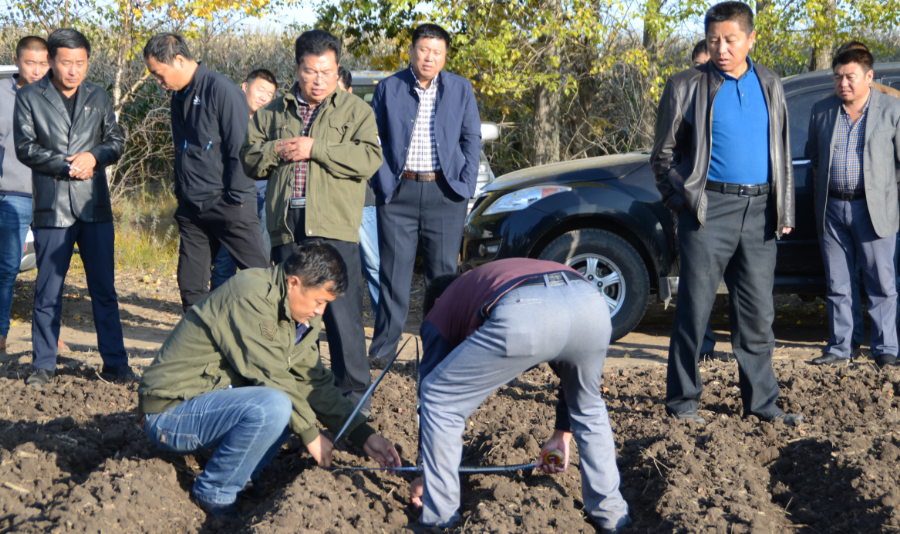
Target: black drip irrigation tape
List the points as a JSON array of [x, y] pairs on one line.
[[466, 470]]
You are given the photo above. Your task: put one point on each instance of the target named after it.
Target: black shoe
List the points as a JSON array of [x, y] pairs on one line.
[[886, 360], [788, 418], [122, 373], [619, 529], [40, 378], [226, 511], [253, 490], [829, 358], [690, 416], [419, 528]]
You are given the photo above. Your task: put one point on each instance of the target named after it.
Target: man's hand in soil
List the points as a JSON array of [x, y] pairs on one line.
[[382, 451], [81, 166], [295, 148], [559, 441], [320, 449], [416, 488]]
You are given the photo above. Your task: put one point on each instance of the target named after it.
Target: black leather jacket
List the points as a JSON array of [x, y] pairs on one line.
[[45, 135], [681, 148]]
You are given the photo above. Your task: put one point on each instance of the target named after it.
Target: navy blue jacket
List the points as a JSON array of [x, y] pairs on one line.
[[208, 128], [457, 133]]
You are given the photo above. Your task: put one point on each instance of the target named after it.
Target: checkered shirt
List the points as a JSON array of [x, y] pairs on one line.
[[847, 160], [307, 114], [422, 156]]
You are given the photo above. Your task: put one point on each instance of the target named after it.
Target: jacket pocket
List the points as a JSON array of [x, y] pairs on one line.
[[337, 129]]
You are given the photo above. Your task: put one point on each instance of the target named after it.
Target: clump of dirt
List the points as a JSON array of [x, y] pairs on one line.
[[73, 459]]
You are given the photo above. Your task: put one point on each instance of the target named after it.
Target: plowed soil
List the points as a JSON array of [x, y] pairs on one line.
[[73, 458]]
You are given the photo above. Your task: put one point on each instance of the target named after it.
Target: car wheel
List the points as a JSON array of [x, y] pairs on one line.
[[611, 263]]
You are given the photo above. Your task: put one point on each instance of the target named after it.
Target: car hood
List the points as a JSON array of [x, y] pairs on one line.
[[579, 170]]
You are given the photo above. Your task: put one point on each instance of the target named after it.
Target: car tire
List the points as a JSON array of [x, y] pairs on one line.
[[604, 257]]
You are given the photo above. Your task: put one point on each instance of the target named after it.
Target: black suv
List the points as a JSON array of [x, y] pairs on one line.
[[604, 217]]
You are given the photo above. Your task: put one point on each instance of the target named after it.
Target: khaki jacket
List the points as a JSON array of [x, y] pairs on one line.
[[345, 155], [242, 335]]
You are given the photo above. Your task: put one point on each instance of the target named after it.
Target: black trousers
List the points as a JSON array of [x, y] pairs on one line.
[[233, 226], [739, 242], [343, 317], [436, 212]]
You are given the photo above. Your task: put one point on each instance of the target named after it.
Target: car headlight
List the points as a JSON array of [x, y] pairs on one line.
[[523, 198]]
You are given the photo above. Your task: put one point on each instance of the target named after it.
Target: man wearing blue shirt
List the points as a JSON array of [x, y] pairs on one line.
[[722, 161]]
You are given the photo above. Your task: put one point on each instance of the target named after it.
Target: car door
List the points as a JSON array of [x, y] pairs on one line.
[[799, 259]]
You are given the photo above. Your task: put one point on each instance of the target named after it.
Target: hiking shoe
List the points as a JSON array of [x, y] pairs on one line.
[[690, 416], [788, 418], [122, 373], [40, 378], [619, 529], [226, 511]]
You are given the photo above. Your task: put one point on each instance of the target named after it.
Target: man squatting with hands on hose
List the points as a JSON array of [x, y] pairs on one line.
[[486, 327], [241, 371]]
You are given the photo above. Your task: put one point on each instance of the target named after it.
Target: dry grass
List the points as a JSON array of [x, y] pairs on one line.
[[146, 232]]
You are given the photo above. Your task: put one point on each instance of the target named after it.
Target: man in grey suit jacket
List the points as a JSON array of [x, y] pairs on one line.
[[854, 146]]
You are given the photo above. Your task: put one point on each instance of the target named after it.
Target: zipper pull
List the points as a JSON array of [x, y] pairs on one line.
[[208, 145]]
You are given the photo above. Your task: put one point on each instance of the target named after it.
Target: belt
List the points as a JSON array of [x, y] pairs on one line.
[[741, 190], [847, 196], [423, 176], [539, 279]]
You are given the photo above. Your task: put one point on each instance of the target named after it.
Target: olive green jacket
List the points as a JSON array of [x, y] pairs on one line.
[[242, 334], [345, 154]]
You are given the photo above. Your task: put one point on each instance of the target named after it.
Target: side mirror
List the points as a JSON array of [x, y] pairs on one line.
[[489, 132]]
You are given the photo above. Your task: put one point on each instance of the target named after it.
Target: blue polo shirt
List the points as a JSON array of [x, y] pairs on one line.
[[740, 131]]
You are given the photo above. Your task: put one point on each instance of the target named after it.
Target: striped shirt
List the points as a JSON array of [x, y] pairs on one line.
[[847, 160], [307, 114], [422, 156]]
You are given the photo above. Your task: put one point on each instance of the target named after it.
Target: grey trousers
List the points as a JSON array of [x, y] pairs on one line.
[[561, 321], [849, 235], [737, 242]]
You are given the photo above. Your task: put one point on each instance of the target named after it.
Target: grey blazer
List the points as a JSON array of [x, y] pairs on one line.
[[881, 158]]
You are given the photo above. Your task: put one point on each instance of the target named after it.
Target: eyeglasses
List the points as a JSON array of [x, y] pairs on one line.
[[313, 76]]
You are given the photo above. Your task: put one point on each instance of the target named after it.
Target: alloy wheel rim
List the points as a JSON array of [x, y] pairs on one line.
[[605, 275]]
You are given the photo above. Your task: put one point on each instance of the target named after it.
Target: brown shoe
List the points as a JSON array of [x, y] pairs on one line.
[[62, 347]]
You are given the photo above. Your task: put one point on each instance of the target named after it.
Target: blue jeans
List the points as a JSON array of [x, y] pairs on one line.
[[528, 326], [245, 425], [15, 217], [368, 252], [850, 241], [223, 265]]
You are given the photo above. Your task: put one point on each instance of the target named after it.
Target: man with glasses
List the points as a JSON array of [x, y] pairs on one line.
[[317, 146]]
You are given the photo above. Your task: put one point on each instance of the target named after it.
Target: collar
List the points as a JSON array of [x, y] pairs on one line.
[[727, 76], [190, 87], [15, 84], [435, 82], [865, 108], [281, 283]]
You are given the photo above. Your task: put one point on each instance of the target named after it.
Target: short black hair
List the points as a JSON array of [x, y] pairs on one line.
[[851, 45], [67, 38], [431, 31], [854, 55], [738, 12], [317, 43], [435, 289], [699, 48], [261, 73], [345, 77], [164, 47], [316, 263], [31, 42]]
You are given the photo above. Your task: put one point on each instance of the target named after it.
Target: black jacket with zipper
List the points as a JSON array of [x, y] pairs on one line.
[[208, 129], [45, 135], [681, 149]]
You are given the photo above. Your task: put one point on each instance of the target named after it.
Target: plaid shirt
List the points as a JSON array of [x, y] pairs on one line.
[[847, 160], [422, 155], [307, 114]]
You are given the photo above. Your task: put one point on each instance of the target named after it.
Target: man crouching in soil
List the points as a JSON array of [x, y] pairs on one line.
[[242, 370], [489, 326]]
